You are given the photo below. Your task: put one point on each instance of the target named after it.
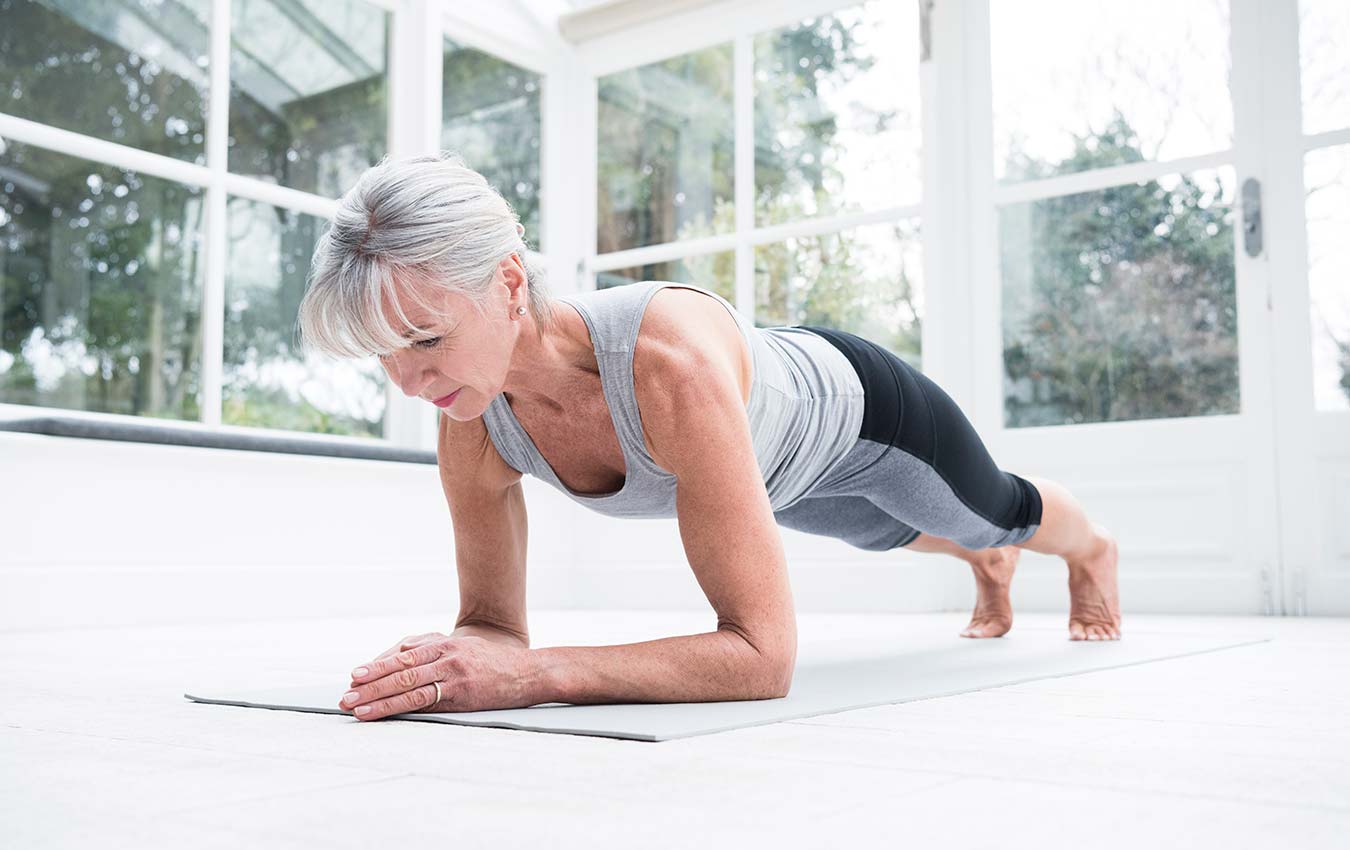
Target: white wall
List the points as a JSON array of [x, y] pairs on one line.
[[96, 532], [101, 532]]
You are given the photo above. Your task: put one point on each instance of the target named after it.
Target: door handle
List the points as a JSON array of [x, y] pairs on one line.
[[1251, 216]]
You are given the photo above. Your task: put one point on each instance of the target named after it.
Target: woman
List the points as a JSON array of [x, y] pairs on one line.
[[650, 400]]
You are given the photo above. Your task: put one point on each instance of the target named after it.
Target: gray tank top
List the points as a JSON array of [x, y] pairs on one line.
[[805, 407]]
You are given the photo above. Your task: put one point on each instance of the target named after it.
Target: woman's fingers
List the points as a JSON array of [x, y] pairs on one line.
[[410, 642], [418, 699], [394, 685], [404, 660]]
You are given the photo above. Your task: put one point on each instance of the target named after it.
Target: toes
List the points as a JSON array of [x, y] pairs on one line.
[[987, 628], [1092, 631]]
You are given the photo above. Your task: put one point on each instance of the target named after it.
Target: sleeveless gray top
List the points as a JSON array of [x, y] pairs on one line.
[[805, 407]]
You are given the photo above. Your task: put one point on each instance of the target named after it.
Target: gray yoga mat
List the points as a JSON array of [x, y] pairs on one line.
[[830, 676]]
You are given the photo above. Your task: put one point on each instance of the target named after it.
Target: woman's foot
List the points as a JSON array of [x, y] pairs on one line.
[[993, 607], [1094, 599]]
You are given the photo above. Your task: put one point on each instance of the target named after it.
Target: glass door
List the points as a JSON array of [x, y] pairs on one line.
[[1124, 337]]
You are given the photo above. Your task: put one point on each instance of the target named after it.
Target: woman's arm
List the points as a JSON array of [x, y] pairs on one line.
[[696, 427], [487, 510], [706, 667], [694, 417]]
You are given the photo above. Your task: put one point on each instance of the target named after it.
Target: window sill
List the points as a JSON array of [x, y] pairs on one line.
[[210, 438]]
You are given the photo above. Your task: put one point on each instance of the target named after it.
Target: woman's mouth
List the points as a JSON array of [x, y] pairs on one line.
[[447, 400]]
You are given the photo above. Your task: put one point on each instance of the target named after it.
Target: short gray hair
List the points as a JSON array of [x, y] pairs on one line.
[[427, 217]]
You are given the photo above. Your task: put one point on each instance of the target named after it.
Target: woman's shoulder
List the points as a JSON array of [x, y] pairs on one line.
[[680, 324]]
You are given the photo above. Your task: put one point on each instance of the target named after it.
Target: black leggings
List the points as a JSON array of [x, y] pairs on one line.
[[918, 466]]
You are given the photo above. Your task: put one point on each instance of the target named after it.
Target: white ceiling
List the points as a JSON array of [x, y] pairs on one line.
[[548, 11]]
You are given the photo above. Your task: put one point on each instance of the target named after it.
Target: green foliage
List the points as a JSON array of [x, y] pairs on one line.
[[273, 407], [666, 149], [99, 279], [794, 137], [836, 280], [1119, 303]]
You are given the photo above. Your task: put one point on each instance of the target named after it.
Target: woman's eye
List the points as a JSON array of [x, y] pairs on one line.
[[427, 343]]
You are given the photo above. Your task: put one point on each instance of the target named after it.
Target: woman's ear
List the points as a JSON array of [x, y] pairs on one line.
[[512, 272]]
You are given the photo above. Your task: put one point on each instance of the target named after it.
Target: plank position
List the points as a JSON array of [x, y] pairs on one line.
[[656, 399]]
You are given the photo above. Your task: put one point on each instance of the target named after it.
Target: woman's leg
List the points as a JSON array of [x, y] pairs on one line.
[[1091, 554], [1089, 551], [993, 569], [937, 477]]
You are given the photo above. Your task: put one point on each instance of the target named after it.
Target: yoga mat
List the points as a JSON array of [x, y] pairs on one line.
[[831, 676]]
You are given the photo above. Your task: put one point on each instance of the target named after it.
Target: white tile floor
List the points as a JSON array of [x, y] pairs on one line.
[[1247, 747]]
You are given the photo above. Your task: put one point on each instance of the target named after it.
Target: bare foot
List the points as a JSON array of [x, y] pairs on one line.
[[1094, 599], [993, 608]]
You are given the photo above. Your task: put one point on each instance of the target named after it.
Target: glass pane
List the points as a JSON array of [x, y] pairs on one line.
[[1082, 84], [267, 381], [1327, 178], [101, 275], [133, 72], [665, 151], [716, 272], [867, 281], [490, 116], [1324, 32], [308, 91], [837, 113], [1120, 304]]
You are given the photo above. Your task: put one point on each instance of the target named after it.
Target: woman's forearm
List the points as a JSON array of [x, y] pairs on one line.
[[708, 667]]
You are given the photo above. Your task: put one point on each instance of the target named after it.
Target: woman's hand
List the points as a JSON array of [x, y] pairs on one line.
[[475, 675]]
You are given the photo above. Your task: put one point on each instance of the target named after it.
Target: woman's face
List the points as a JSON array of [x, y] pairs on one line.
[[463, 353]]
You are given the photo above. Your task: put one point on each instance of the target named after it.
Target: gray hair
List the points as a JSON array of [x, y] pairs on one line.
[[428, 217]]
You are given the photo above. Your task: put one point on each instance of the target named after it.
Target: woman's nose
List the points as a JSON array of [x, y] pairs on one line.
[[407, 376]]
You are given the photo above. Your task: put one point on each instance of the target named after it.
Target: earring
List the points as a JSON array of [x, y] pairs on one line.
[[520, 311]]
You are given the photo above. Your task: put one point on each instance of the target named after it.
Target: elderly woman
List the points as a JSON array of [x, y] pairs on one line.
[[653, 400]]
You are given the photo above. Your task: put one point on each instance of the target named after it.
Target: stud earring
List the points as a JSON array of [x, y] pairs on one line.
[[520, 311]]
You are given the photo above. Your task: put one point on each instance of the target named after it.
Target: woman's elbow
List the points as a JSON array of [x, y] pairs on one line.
[[779, 660]]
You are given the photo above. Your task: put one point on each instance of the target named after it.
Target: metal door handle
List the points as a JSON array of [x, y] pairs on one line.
[[1251, 216]]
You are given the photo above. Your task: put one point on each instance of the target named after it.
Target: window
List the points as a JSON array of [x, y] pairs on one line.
[[490, 115], [308, 111], [133, 72], [1326, 178], [266, 380], [837, 114], [107, 300], [1118, 294], [665, 151], [836, 161], [867, 281], [1120, 303], [308, 91], [101, 274], [1068, 74]]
